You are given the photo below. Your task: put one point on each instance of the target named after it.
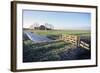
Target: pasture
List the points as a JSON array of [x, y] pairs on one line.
[[59, 32], [54, 51]]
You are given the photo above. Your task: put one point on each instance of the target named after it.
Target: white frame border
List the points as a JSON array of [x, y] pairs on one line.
[[35, 65]]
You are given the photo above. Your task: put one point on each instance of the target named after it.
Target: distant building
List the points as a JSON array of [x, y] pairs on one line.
[[42, 27]]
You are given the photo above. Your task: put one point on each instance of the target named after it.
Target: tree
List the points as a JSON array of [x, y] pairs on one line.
[[48, 26], [31, 27], [36, 26], [51, 26]]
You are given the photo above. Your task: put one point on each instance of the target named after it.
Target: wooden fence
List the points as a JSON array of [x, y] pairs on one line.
[[75, 40], [84, 45], [71, 39]]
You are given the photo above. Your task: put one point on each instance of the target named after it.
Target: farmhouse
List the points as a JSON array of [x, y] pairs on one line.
[[42, 27]]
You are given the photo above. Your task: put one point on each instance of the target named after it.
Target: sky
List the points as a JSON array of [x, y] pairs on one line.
[[60, 20]]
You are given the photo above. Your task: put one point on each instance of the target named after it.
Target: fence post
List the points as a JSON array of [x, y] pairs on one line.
[[78, 41]]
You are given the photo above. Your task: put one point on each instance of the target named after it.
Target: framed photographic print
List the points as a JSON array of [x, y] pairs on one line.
[[48, 36]]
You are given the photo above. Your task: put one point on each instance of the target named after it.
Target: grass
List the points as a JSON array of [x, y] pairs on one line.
[[36, 51], [44, 51], [54, 51], [60, 32]]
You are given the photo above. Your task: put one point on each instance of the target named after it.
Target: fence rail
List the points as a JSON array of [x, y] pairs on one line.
[[75, 40]]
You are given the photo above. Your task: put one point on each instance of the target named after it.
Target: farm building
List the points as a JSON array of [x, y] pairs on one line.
[[42, 27]]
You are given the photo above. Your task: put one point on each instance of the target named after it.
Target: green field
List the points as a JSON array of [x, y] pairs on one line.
[[60, 32], [54, 51]]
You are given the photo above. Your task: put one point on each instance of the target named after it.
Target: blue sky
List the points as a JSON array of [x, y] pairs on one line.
[[60, 20]]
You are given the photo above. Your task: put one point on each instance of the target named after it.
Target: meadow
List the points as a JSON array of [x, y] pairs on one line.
[[60, 32], [54, 51]]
